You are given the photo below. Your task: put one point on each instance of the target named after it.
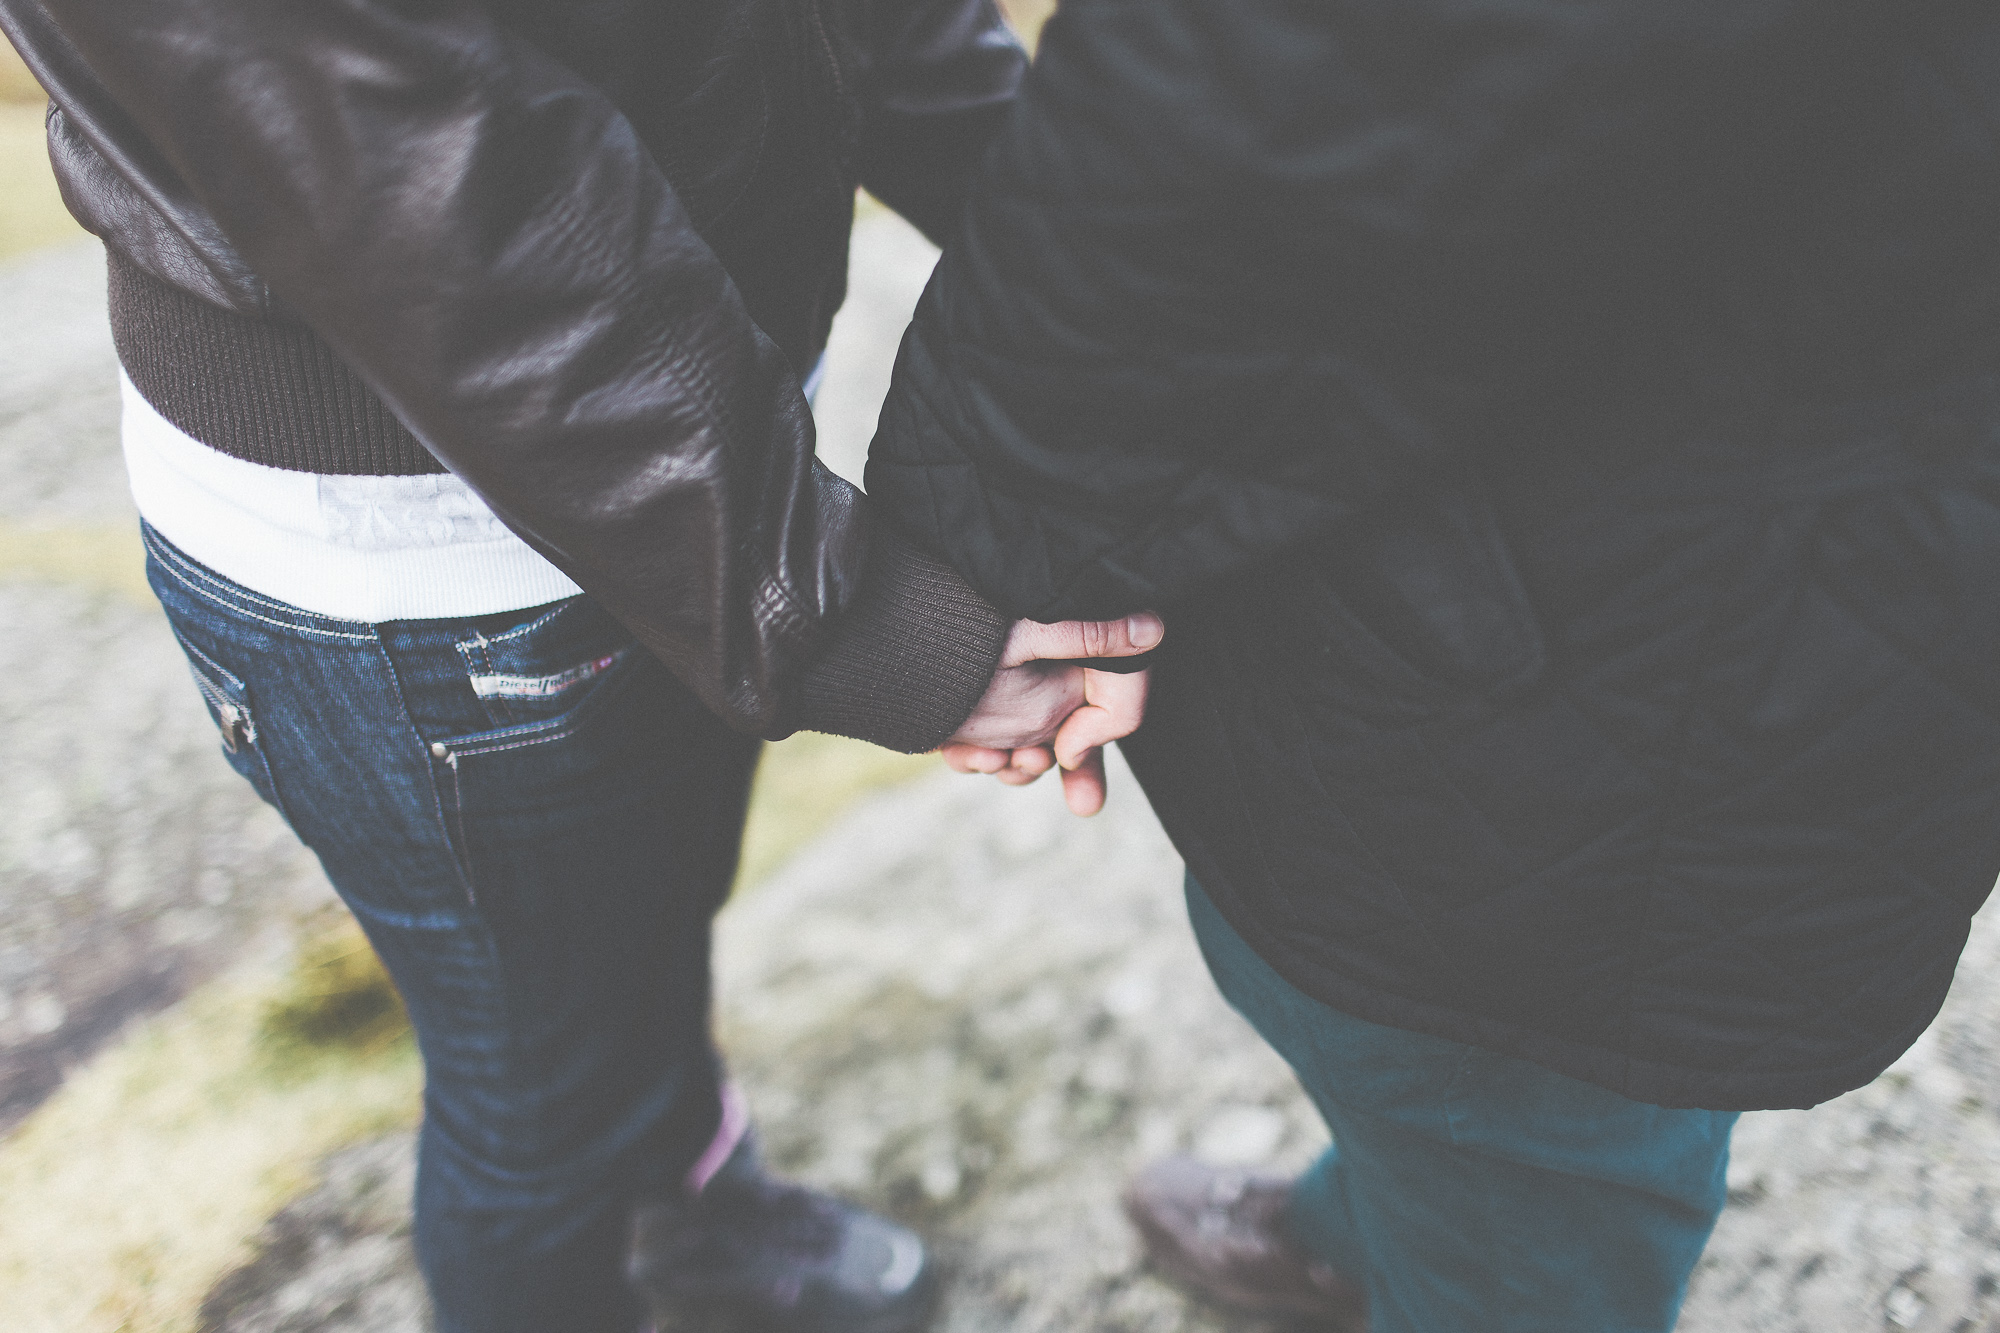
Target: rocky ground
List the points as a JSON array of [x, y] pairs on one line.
[[978, 1014], [133, 861], [961, 1006]]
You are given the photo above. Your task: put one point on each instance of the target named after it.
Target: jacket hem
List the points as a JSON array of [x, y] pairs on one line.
[[1657, 1083], [267, 391]]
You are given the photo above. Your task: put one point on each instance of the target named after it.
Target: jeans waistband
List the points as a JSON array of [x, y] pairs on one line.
[[198, 580]]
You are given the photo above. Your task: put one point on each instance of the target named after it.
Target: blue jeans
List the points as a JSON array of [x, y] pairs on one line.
[[534, 823], [1475, 1193]]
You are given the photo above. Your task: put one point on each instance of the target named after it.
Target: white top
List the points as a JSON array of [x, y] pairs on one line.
[[352, 548]]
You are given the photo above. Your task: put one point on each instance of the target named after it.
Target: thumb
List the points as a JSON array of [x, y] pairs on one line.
[[1069, 639]]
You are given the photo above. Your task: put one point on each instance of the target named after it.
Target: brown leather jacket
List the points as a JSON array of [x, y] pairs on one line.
[[582, 252]]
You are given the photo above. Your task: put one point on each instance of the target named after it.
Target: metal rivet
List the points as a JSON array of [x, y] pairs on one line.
[[440, 749]]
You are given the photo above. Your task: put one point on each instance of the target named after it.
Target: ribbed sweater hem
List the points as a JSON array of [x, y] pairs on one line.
[[910, 660], [268, 391]]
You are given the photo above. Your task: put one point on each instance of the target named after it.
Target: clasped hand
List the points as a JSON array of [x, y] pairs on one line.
[[1042, 712]]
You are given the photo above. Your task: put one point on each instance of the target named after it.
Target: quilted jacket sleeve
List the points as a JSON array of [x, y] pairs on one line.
[[1236, 274], [940, 76], [481, 235]]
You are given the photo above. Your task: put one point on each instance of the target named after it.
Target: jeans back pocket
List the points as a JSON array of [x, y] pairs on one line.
[[227, 696], [544, 668]]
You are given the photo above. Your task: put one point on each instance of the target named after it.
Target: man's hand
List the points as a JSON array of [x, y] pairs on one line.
[[1042, 710]]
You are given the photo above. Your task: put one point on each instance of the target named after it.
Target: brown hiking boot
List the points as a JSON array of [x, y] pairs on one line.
[[1222, 1232]]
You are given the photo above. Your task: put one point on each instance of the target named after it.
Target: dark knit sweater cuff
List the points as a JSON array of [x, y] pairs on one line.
[[909, 660]]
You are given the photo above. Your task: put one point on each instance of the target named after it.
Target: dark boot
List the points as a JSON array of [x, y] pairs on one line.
[[775, 1256], [1222, 1233]]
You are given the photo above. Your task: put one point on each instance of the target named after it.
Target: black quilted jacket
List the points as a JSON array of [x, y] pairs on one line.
[[1566, 440]]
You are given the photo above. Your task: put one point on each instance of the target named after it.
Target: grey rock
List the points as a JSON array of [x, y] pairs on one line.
[[339, 1257], [133, 860], [977, 1013]]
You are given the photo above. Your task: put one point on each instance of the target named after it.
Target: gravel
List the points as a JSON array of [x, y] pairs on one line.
[[971, 1011], [975, 1013]]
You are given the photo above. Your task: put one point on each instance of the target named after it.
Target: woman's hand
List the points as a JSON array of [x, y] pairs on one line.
[[1043, 711]]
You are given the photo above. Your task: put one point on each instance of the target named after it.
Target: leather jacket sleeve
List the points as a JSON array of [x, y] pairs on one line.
[[481, 235]]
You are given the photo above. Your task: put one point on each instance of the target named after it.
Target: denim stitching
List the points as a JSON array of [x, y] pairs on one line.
[[552, 729], [451, 827], [166, 551], [476, 655], [461, 845], [230, 680], [225, 598], [533, 625], [520, 744]]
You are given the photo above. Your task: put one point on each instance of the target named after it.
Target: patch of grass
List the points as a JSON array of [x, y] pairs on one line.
[[16, 84], [1028, 16], [807, 782], [93, 559], [31, 211], [337, 998], [129, 1192]]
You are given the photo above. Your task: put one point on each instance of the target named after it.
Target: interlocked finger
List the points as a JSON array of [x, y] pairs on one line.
[[1114, 707]]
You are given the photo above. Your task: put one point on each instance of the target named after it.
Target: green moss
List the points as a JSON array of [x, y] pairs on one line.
[[93, 559], [807, 782], [337, 997], [16, 84], [31, 211]]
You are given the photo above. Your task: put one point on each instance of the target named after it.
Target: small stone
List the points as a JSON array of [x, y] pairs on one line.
[[1240, 1136], [42, 1014], [213, 888], [1129, 994], [1747, 1183], [1158, 1135], [1904, 1307], [940, 1180]]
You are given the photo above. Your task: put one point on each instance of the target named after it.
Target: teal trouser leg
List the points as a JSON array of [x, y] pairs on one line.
[[1476, 1193]]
